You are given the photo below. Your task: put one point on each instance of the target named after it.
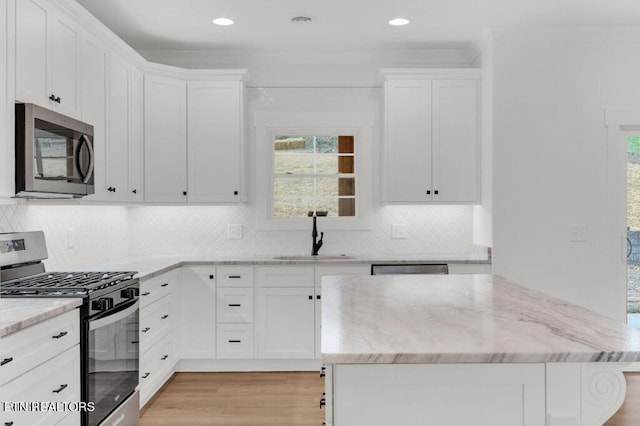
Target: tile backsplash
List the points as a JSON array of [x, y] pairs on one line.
[[82, 234]]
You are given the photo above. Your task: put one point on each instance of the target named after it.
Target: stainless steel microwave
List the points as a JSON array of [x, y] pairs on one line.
[[54, 154]]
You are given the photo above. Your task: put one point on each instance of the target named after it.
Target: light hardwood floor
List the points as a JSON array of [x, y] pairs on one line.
[[285, 399], [231, 399], [629, 413]]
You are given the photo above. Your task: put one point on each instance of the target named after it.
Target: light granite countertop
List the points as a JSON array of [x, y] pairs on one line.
[[153, 265], [17, 314], [430, 319]]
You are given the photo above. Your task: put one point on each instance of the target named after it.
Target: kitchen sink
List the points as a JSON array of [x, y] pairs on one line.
[[318, 257]]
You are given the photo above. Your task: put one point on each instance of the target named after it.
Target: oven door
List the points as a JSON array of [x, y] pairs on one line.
[[113, 358]]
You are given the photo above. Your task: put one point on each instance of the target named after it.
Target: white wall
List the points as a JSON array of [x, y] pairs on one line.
[[551, 88]]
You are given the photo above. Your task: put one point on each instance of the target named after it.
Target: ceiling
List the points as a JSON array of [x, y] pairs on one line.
[[341, 24]]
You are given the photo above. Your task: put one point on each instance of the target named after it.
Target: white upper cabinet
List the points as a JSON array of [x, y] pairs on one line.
[[165, 139], [193, 135], [431, 136], [124, 135], [47, 57], [215, 134], [7, 176]]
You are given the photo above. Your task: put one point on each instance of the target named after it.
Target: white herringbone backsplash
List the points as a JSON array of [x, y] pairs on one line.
[[82, 234]]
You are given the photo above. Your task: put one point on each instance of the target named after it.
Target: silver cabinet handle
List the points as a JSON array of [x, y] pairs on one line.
[[60, 389]]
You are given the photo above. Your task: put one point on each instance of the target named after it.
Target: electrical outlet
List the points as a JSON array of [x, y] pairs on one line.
[[234, 231], [399, 231], [578, 233]]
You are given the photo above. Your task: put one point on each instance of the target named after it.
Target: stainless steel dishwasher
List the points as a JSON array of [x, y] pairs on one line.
[[401, 269]]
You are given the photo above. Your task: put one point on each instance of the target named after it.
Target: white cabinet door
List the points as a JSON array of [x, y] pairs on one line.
[[7, 136], [198, 313], [431, 138], [117, 150], [136, 136], [438, 394], [47, 57], [455, 140], [407, 140], [165, 139], [285, 322], [215, 139], [94, 107]]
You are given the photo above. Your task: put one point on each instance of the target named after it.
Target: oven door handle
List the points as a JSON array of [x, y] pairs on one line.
[[113, 317]]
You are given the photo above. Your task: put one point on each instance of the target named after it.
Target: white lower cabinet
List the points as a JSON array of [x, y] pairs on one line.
[[235, 341], [235, 312], [42, 364], [158, 329], [285, 312], [436, 394], [198, 312]]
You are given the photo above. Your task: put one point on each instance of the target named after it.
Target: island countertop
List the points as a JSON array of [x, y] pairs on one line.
[[429, 319]]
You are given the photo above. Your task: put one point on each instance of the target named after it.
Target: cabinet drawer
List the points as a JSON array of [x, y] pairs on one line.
[[289, 276], [155, 321], [155, 288], [235, 276], [56, 381], [32, 346], [235, 341], [155, 366], [234, 304]]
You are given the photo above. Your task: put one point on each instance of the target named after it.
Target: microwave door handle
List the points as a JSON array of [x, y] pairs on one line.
[[87, 175], [38, 157]]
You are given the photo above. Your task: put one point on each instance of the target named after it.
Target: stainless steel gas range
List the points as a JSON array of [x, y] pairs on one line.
[[109, 318]]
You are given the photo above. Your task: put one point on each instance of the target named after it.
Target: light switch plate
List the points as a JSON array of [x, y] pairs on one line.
[[399, 231], [234, 231]]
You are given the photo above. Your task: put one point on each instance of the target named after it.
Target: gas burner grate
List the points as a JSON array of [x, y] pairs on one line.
[[63, 281]]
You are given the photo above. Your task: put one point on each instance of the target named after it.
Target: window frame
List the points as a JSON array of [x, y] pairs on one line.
[[270, 125]]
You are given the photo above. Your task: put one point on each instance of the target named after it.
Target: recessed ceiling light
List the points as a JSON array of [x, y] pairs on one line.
[[398, 22], [223, 21], [301, 20]]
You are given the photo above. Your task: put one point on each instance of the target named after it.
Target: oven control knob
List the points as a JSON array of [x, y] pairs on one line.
[[102, 304], [130, 293]]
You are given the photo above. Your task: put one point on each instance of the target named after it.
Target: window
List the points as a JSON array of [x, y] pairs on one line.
[[313, 174], [313, 162]]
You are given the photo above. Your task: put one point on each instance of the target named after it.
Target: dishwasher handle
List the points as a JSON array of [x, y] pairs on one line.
[[403, 269]]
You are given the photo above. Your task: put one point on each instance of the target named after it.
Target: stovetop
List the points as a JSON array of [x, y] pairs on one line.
[[63, 283]]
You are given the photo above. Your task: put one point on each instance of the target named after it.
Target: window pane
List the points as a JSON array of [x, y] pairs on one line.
[[345, 144], [327, 144], [345, 164], [327, 164], [346, 186], [328, 205], [293, 187], [293, 144], [327, 186], [301, 164], [292, 207]]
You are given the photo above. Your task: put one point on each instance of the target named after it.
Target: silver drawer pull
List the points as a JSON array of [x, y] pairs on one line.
[[236, 277], [164, 317], [144, 330], [235, 341], [57, 336], [164, 285], [146, 375], [234, 305], [146, 293], [60, 389], [6, 361], [164, 357]]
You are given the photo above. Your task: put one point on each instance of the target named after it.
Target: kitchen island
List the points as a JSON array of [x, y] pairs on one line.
[[467, 349]]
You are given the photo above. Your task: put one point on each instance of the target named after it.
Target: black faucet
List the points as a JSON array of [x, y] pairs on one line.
[[315, 247]]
